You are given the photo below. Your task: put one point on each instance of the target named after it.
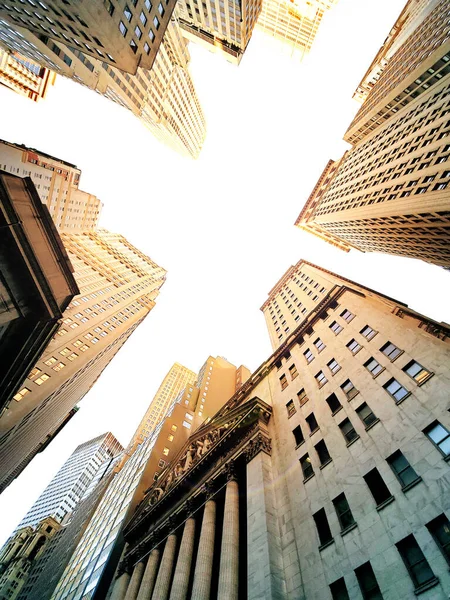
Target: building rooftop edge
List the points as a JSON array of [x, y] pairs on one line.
[[23, 147]]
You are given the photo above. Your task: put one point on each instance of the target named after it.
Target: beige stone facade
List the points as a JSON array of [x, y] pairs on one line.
[[340, 462], [390, 192], [24, 76]]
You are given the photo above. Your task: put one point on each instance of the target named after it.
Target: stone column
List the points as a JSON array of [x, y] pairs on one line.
[[120, 587], [203, 568], [148, 581], [266, 577], [183, 569], [161, 591], [229, 552], [135, 582]]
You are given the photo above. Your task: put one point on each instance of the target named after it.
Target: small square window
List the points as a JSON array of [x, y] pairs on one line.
[[123, 29], [373, 367], [321, 379], [23, 392], [166, 451], [336, 328], [127, 13], [347, 316], [146, 48], [440, 437], [309, 356], [353, 346], [143, 18], [417, 372], [293, 372], [391, 351], [290, 407], [368, 332], [156, 23], [138, 32], [334, 366], [161, 9], [283, 382], [397, 391], [349, 389], [366, 415], [402, 469], [306, 465], [302, 397]]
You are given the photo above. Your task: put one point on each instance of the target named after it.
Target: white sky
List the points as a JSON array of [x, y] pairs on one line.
[[222, 225]]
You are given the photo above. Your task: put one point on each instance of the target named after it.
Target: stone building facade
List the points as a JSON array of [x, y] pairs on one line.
[[326, 475]]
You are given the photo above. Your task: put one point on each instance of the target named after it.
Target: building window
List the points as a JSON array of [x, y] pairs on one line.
[[323, 529], [319, 345], [42, 378], [336, 327], [373, 367], [417, 565], [174, 428], [298, 435], [156, 23], [170, 438], [151, 35], [128, 14], [353, 346], [290, 407], [302, 397], [338, 590], [343, 512], [166, 451], [397, 391], [402, 469], [283, 382], [148, 5], [322, 453], [312, 423], [440, 437], [321, 379], [134, 47], [51, 361], [368, 584], [123, 29], [333, 403], [34, 373], [138, 32], [293, 371], [306, 465], [440, 530], [366, 415], [347, 316], [417, 372], [309, 356], [161, 463], [20, 394], [59, 366], [349, 389], [377, 487], [146, 48], [143, 18], [391, 351], [368, 332], [348, 431], [334, 366]]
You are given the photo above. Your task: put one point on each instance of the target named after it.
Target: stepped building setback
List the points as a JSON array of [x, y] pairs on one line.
[[24, 76], [390, 192], [324, 476]]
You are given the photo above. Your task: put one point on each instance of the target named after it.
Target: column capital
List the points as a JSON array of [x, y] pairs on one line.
[[210, 489], [260, 443], [230, 471]]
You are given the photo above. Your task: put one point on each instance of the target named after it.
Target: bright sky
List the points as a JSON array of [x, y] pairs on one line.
[[222, 225]]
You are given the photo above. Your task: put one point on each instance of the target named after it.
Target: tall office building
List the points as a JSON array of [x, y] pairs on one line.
[[324, 476], [176, 380], [222, 27], [295, 23], [390, 192], [126, 35], [24, 76], [68, 486], [118, 288], [217, 381], [57, 183], [163, 98]]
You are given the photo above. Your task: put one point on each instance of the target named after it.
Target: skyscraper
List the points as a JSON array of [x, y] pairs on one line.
[[118, 288], [57, 182], [389, 192], [217, 381], [68, 486], [24, 76], [163, 98], [176, 380], [123, 35], [324, 476], [223, 27], [293, 22]]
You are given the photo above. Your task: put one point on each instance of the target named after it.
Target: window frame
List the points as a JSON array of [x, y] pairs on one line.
[[385, 346], [410, 567], [424, 378], [398, 471], [308, 473], [443, 548], [433, 425], [345, 422], [390, 382], [344, 513], [350, 343]]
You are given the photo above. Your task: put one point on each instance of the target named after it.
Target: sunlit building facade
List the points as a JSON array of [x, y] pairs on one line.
[[324, 476], [295, 23], [57, 184], [118, 288], [163, 98], [24, 76], [390, 192]]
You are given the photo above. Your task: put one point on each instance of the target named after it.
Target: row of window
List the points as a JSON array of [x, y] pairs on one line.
[[414, 559]]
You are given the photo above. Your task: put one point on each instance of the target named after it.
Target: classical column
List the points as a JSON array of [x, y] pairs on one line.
[[120, 587], [135, 582], [183, 569], [229, 552], [148, 581], [161, 591], [203, 568]]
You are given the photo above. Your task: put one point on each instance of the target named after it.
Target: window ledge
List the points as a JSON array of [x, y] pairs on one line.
[[309, 477], [426, 586], [412, 484], [397, 402], [356, 351], [303, 403], [322, 384], [353, 441], [321, 350], [326, 463], [300, 444], [447, 458], [372, 424], [427, 378], [323, 546], [352, 395], [385, 503], [313, 432], [398, 355], [379, 372], [348, 529], [336, 411], [294, 413], [294, 376]]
